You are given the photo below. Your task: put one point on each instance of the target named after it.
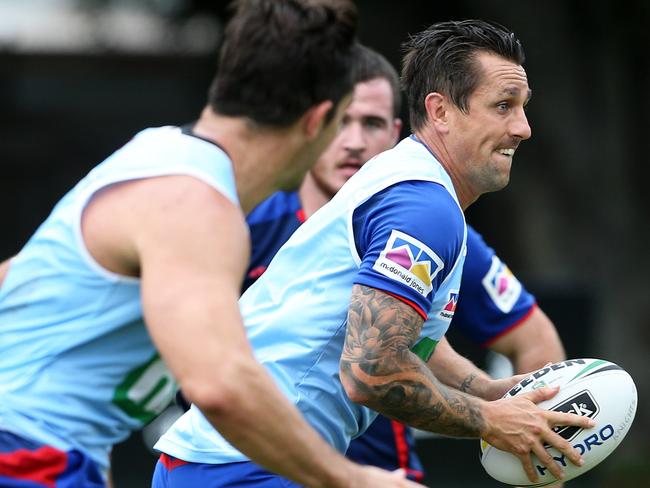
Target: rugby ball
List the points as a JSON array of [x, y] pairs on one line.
[[596, 388]]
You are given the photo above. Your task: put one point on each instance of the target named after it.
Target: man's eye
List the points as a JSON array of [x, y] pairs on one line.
[[374, 124]]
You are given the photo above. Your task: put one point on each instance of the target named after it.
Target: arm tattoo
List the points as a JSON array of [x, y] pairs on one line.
[[387, 377], [465, 385]]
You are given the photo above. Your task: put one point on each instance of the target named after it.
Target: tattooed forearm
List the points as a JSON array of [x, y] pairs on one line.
[[465, 385], [379, 370], [465, 418]]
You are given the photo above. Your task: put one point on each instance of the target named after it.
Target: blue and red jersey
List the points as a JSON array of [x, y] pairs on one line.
[[492, 302]]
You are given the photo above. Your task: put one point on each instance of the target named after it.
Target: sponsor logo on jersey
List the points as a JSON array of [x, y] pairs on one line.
[[409, 261], [448, 311], [501, 285]]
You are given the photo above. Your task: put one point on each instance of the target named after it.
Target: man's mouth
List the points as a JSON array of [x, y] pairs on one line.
[[506, 152], [350, 166]]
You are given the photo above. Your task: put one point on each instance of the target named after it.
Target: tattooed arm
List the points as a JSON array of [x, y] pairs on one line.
[[379, 370], [456, 371]]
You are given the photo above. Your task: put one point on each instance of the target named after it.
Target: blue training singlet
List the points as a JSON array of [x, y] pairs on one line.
[[395, 226], [77, 367], [492, 302]]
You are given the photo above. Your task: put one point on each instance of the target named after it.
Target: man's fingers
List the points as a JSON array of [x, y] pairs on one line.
[[547, 460], [562, 418], [565, 448], [405, 483], [541, 394], [518, 377], [393, 479], [527, 464], [411, 484]]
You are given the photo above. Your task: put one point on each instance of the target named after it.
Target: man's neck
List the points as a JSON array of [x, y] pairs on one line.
[[437, 147], [256, 153], [312, 196]]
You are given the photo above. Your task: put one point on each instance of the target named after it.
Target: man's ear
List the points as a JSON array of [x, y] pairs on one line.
[[314, 118], [437, 106], [397, 129]]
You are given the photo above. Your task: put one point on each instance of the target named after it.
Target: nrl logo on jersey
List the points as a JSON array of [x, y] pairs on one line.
[[409, 261], [448, 311], [501, 285]]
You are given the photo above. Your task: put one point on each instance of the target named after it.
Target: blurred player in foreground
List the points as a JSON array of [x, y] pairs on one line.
[[395, 235], [145, 256]]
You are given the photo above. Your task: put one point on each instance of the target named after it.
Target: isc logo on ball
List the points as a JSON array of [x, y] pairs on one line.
[[583, 404]]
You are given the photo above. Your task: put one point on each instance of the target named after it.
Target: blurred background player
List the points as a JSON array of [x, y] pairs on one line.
[[304, 279], [145, 256]]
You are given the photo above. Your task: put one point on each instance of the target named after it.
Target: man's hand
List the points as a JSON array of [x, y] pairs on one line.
[[518, 426], [371, 477], [495, 389]]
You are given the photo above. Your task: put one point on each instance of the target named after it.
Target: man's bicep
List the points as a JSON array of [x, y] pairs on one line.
[[380, 328], [532, 343], [193, 256]]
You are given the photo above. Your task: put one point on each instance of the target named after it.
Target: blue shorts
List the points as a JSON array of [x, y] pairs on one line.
[[27, 464], [174, 473]]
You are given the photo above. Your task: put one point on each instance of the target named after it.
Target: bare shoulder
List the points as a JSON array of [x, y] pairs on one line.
[[176, 214]]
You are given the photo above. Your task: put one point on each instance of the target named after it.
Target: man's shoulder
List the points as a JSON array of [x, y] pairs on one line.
[[277, 206], [426, 201]]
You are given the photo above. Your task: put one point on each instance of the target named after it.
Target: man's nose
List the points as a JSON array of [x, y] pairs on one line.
[[354, 138], [519, 127]]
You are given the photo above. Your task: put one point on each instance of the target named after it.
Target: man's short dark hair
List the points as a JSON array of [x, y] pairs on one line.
[[442, 59], [369, 65], [280, 57]]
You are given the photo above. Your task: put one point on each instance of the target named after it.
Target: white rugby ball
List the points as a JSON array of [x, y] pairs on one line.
[[596, 388]]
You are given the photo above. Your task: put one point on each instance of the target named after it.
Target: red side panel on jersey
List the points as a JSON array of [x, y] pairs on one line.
[[43, 465], [170, 462], [404, 450]]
